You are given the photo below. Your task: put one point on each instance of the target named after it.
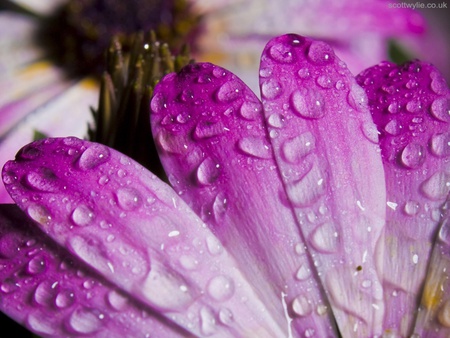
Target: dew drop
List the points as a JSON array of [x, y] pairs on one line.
[[129, 198], [65, 299], [308, 189], [36, 265], [438, 84], [444, 232], [357, 97], [207, 129], [275, 120], [325, 82], [41, 325], [207, 321], [94, 156], [208, 172], [437, 186], [39, 213], [82, 215], [392, 127], [394, 108], [271, 89], [370, 131], [440, 109], [444, 314], [414, 106], [84, 321], [411, 208], [29, 152], [158, 103], [219, 72], [170, 144], [265, 72], [221, 288], [188, 262], [226, 316], [303, 73], [440, 144], [413, 155], [295, 149], [43, 180], [117, 300], [310, 105], [251, 110], [303, 273], [9, 286], [255, 146], [45, 294], [282, 53], [230, 91], [324, 238], [320, 53], [214, 246], [301, 306]]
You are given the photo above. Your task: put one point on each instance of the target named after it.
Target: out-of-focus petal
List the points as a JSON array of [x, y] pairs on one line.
[[137, 232], [67, 114], [326, 147], [51, 293], [211, 135], [410, 105], [41, 7]]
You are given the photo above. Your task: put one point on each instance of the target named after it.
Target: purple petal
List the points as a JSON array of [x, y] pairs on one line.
[[326, 148], [51, 293], [134, 230], [433, 317], [210, 132], [410, 105]]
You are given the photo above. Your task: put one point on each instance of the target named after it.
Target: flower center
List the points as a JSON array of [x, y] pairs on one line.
[[80, 31]]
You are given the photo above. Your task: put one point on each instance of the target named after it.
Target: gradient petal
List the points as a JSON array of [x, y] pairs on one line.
[[410, 105], [326, 148]]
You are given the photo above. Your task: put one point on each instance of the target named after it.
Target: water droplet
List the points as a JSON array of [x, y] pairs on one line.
[[65, 299], [214, 246], [308, 104], [295, 149], [208, 171], [440, 109], [438, 84], [303, 73], [188, 262], [251, 110], [414, 106], [230, 91], [303, 273], [221, 288], [94, 156], [324, 238], [370, 131], [394, 108], [170, 144], [117, 300], [92, 252], [357, 97], [158, 103], [282, 53], [36, 265], [42, 180], [226, 316], [392, 127], [271, 89], [219, 72], [440, 144], [9, 286], [320, 53], [41, 325], [437, 186], [308, 189], [265, 72], [309, 333], [444, 314], [302, 306], [128, 198], [411, 208], [207, 129], [413, 155], [255, 146], [29, 152], [39, 213], [325, 82], [207, 321], [45, 293], [275, 120], [85, 321], [82, 215]]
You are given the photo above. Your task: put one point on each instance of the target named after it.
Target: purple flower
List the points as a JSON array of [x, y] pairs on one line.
[[303, 215]]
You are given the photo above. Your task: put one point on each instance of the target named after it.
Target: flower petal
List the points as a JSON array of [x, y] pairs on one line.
[[326, 148], [210, 132], [410, 105], [51, 293], [433, 317], [134, 230]]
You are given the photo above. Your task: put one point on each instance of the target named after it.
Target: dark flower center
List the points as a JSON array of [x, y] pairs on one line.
[[77, 34]]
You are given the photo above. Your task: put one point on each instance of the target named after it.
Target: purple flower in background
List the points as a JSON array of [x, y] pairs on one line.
[[311, 213]]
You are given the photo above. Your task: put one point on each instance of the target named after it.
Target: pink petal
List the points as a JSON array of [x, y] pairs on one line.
[[210, 132], [326, 148]]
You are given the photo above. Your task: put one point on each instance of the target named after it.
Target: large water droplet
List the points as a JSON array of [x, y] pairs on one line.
[[282, 53], [357, 97], [9, 286], [411, 208], [324, 238], [170, 144], [29, 152], [251, 110], [394, 108], [94, 156], [36, 265], [208, 171], [207, 129], [271, 89], [158, 103], [82, 215], [275, 120], [207, 321], [255, 146], [92, 252], [302, 306], [320, 53], [214, 246], [438, 84], [230, 91], [392, 127], [308, 189], [85, 321], [440, 109], [413, 155], [128, 198], [308, 104], [64, 299], [325, 82], [440, 144], [39, 213], [303, 273], [295, 149], [117, 300], [437, 186], [45, 293], [42, 180], [41, 325], [221, 288], [414, 106], [370, 131]]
